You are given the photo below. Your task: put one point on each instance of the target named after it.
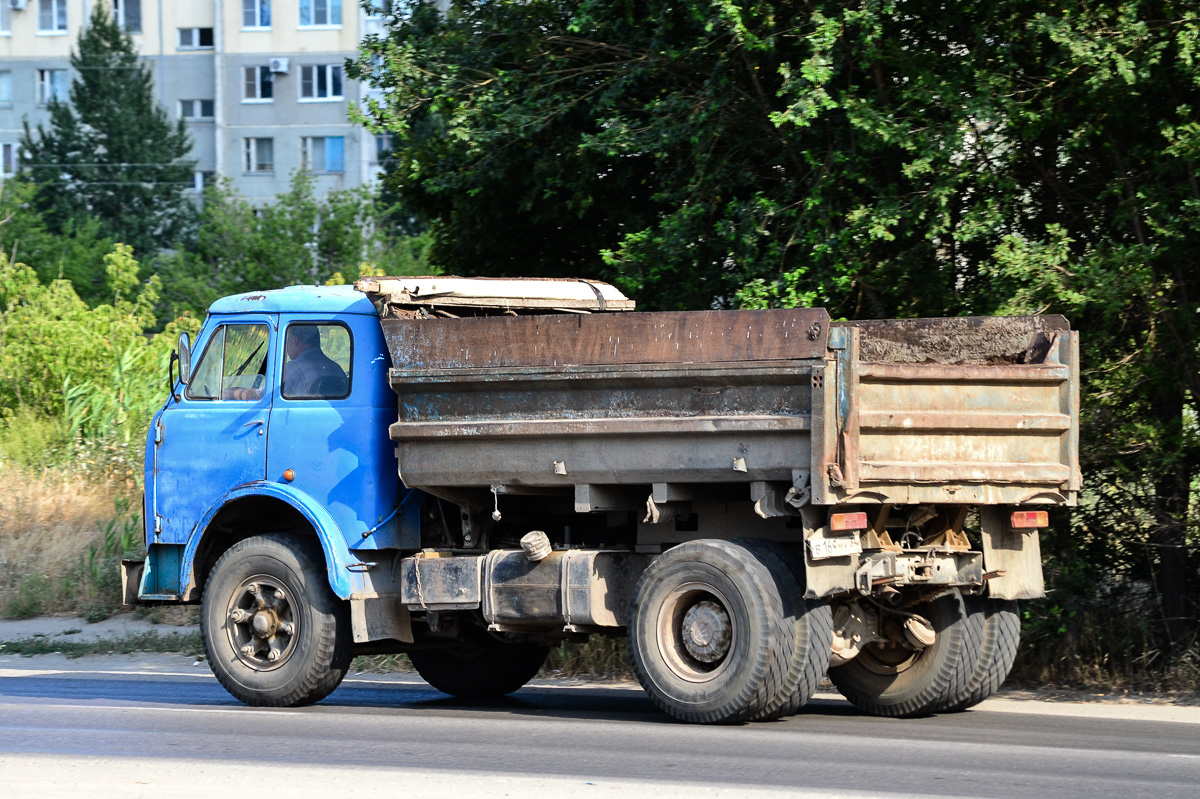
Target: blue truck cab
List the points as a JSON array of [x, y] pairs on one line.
[[274, 501], [281, 427]]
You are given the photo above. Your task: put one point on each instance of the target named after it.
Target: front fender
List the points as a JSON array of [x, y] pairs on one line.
[[333, 544]]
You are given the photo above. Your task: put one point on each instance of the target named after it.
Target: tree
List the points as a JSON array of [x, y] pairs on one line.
[[77, 255], [299, 238], [112, 154], [879, 158]]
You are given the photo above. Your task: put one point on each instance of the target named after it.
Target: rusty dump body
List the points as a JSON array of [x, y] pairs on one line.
[[964, 411], [717, 424]]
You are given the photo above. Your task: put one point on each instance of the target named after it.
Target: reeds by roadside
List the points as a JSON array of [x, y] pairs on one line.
[[62, 531]]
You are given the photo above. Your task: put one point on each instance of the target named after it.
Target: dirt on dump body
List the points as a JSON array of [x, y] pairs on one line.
[[957, 340]]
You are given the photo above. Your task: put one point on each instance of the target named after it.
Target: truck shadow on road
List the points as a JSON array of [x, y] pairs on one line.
[[365, 697]]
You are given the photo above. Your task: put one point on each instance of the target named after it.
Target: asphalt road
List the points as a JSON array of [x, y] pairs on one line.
[[121, 727]]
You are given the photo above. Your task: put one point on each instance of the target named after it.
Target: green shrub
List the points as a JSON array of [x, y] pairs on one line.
[[31, 598]]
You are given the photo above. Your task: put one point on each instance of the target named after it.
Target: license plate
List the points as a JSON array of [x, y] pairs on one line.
[[821, 548]]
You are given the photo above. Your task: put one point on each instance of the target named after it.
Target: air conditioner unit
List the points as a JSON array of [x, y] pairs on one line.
[[279, 65], [17, 5]]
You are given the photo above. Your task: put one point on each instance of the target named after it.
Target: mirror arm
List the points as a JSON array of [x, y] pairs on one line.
[[171, 375]]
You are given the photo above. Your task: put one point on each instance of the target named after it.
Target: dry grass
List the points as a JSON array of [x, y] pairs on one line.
[[599, 658], [49, 522]]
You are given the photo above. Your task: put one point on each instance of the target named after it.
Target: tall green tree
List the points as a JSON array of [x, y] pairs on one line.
[[112, 153], [76, 255], [878, 157]]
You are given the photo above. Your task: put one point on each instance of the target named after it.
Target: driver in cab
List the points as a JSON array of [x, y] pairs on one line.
[[307, 373]]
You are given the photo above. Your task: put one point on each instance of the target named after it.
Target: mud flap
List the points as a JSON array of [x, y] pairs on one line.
[[1014, 557], [131, 580]]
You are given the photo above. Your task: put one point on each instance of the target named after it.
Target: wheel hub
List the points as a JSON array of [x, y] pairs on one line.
[[263, 626], [706, 632]]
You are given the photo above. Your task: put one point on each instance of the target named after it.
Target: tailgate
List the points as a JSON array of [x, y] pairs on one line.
[[976, 411]]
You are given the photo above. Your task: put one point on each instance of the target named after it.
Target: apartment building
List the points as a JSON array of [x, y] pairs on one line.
[[260, 83]]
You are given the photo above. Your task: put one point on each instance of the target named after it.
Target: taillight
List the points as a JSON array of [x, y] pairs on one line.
[[1027, 519], [848, 521]]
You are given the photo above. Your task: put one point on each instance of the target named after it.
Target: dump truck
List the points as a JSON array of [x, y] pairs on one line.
[[473, 471]]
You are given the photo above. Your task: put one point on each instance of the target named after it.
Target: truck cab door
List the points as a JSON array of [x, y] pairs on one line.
[[329, 421], [214, 438]]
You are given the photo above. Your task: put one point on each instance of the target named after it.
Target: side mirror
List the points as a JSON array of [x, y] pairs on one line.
[[185, 358]]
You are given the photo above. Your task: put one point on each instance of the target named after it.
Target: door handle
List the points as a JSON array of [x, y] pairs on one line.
[[258, 422]]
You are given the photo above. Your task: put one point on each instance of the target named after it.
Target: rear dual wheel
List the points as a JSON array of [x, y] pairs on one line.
[[1000, 622], [479, 665], [719, 633], [895, 678], [813, 623]]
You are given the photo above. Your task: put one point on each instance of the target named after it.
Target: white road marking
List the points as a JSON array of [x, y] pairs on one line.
[[1179, 714], [60, 777]]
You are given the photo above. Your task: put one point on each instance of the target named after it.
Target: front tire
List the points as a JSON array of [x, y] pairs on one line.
[[274, 633], [898, 681]]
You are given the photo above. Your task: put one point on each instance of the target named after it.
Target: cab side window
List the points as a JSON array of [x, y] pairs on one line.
[[316, 362], [234, 365]]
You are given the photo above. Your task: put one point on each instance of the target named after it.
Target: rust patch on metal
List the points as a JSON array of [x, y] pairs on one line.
[[684, 337]]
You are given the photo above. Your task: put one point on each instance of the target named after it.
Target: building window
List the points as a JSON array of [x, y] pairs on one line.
[[195, 38], [320, 12], [256, 13], [379, 9], [8, 159], [52, 85], [322, 82], [196, 109], [385, 159], [5, 14], [260, 155], [128, 14], [323, 153], [5, 89], [52, 16], [259, 84]]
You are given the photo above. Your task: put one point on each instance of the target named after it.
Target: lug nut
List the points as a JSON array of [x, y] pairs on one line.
[[287, 628], [238, 615], [273, 655], [253, 588], [247, 650], [279, 594]]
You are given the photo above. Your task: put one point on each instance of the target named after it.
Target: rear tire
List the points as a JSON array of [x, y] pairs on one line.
[[901, 682], [1001, 622], [709, 638], [479, 665], [813, 624], [274, 633]]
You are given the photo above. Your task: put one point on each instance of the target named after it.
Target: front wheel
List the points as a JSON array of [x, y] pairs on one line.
[[274, 633], [479, 665]]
